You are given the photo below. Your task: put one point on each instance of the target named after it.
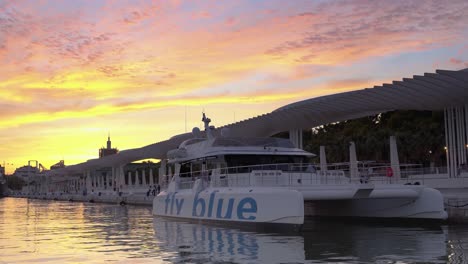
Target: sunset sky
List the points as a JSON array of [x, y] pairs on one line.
[[73, 71]]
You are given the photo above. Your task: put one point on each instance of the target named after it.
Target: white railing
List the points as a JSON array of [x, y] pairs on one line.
[[294, 175], [269, 175]]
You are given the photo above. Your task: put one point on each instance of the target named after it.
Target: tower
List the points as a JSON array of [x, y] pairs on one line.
[[108, 142], [108, 150]]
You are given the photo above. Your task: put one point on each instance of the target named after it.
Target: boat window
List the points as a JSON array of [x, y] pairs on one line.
[[196, 169], [193, 168], [185, 170], [257, 142], [247, 163]]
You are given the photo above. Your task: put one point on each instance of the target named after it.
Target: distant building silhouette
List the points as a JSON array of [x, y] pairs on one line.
[[109, 150], [58, 165], [27, 172]]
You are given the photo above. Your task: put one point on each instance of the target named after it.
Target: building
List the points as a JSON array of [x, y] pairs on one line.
[[108, 150], [58, 165], [27, 172]]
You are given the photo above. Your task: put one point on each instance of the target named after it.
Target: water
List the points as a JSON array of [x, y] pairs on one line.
[[38, 231]]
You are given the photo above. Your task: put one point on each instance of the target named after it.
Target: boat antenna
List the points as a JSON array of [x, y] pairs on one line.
[[207, 121]]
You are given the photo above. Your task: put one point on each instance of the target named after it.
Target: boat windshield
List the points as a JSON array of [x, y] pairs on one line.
[[251, 161]]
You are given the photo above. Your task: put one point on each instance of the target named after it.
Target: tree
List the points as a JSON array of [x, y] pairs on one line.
[[420, 137]]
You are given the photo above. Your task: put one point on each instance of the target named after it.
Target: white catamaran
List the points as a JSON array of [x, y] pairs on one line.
[[268, 180]]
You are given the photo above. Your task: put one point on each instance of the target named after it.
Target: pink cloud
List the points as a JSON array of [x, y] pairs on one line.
[[360, 29], [201, 15], [456, 61], [230, 21]]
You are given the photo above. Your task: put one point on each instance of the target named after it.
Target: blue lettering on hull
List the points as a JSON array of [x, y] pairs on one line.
[[213, 207]]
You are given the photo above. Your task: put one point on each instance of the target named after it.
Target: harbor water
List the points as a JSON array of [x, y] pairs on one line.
[[40, 231]]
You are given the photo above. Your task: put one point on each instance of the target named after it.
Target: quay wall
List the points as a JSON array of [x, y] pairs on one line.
[[133, 199], [457, 210], [455, 200], [456, 204]]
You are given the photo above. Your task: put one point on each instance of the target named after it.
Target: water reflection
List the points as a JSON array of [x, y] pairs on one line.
[[33, 231], [373, 242], [64, 232], [203, 243], [321, 242]]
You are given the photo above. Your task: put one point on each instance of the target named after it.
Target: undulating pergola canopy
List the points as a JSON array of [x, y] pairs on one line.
[[431, 91]]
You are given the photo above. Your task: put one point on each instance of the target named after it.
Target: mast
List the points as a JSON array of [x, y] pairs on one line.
[[206, 121]]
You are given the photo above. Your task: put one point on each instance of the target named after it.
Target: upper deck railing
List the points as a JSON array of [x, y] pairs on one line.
[[292, 175]]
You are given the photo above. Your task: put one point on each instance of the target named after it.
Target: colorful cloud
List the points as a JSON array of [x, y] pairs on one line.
[[87, 65]]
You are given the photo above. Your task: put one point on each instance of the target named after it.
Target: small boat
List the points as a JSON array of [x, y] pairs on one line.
[[269, 181]]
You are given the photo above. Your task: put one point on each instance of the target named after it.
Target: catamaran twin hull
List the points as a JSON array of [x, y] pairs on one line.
[[286, 206], [386, 201]]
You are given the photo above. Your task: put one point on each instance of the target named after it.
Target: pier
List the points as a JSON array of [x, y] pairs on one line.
[[455, 192]]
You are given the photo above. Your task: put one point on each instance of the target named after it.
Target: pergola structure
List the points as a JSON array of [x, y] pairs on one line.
[[443, 90]]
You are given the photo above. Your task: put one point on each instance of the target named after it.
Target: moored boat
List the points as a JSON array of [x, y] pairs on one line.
[[268, 180]]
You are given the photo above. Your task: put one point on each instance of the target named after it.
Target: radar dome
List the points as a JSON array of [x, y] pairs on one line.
[[196, 132]]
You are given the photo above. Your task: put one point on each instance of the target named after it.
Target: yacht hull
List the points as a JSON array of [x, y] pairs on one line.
[[239, 205], [428, 204]]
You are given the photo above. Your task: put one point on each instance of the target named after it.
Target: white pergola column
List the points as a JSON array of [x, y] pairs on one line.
[[296, 137], [122, 177], [101, 181], [117, 177], [162, 173], [111, 178], [129, 178], [96, 180], [143, 177], [394, 160], [353, 166], [323, 159], [137, 180], [466, 131], [151, 180], [88, 181], [462, 135], [456, 138]]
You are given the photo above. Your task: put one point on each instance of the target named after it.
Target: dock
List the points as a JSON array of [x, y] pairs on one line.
[[455, 200]]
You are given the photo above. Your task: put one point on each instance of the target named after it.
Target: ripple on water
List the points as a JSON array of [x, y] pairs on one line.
[[38, 231]]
